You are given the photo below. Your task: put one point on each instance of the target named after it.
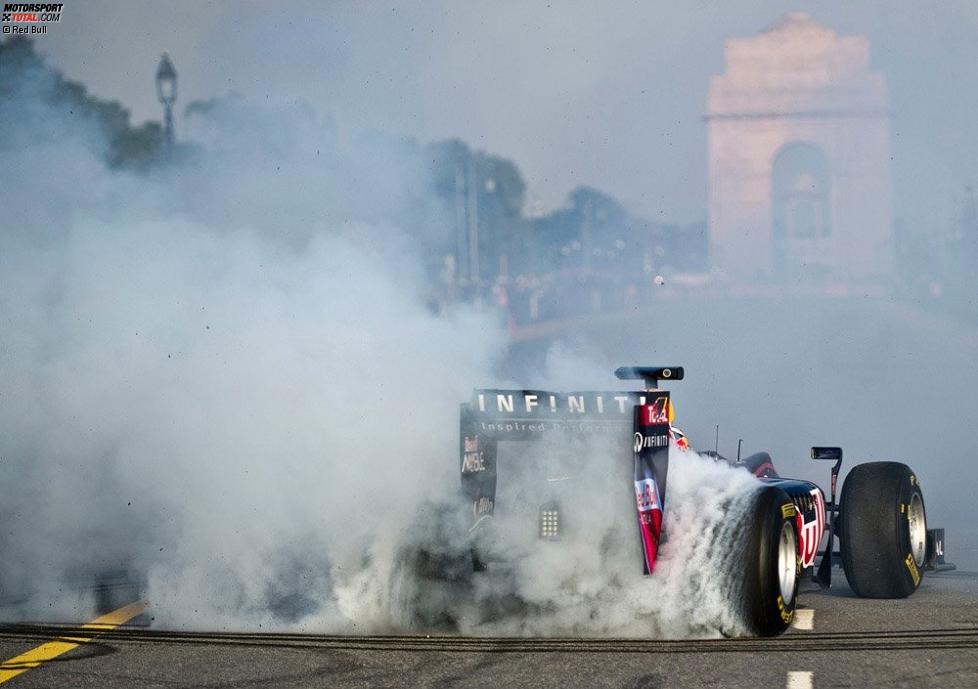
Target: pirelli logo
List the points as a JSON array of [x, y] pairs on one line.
[[788, 510], [912, 567]]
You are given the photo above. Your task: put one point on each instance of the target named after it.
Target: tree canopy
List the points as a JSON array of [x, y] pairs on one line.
[[27, 81]]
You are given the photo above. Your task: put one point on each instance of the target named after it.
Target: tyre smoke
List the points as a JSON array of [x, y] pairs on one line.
[[241, 401], [223, 381], [225, 389], [590, 582]]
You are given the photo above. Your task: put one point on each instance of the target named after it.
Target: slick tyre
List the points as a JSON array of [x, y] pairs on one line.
[[770, 563], [434, 573], [883, 530]]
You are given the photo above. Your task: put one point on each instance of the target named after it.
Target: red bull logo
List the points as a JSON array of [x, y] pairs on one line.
[[649, 519], [647, 495], [679, 438]]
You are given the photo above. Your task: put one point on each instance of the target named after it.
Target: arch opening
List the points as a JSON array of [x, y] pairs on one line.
[[800, 188]]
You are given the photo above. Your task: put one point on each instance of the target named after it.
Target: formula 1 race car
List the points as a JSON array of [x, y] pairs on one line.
[[789, 531]]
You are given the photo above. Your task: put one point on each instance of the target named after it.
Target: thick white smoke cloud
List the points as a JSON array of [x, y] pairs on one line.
[[590, 582], [223, 380], [221, 414]]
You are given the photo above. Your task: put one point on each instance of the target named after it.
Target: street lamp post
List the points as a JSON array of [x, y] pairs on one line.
[[166, 91], [473, 188]]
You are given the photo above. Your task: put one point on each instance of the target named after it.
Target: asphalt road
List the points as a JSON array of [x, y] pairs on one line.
[[930, 639]]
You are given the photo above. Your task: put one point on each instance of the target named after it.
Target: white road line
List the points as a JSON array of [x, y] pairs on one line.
[[804, 619], [800, 680]]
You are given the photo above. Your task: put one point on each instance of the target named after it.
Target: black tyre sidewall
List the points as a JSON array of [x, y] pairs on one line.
[[763, 609], [877, 553]]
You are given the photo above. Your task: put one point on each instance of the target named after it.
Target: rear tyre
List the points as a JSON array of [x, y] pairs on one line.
[[770, 563], [435, 572], [884, 530]]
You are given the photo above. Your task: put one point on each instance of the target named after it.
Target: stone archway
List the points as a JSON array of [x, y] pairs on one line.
[[799, 154], [800, 193]]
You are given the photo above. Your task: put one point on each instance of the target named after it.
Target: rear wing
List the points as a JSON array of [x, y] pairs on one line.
[[527, 415], [637, 422]]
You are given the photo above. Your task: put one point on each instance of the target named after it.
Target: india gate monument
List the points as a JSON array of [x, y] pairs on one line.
[[799, 158]]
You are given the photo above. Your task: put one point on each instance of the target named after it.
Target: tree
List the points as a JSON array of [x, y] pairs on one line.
[[30, 88], [484, 197]]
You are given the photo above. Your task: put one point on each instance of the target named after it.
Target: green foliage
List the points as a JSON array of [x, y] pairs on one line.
[[473, 184], [138, 148], [27, 81], [587, 203], [462, 188], [452, 166]]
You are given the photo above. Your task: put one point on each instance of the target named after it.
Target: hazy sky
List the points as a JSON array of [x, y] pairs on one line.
[[606, 94]]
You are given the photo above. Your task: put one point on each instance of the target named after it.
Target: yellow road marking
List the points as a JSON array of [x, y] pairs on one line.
[[52, 649]]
